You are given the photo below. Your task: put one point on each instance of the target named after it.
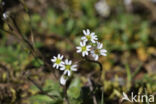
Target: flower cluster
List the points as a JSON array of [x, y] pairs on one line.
[[65, 66], [89, 45]]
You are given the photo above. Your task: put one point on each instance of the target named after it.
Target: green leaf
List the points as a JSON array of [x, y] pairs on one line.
[[70, 24], [53, 88], [74, 91], [41, 99]]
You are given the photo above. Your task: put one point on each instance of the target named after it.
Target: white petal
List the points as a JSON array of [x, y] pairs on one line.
[[98, 44], [92, 34], [88, 49], [74, 68], [92, 52], [88, 31], [83, 38], [81, 43], [101, 45], [63, 80], [59, 56], [69, 73], [78, 51], [62, 63], [93, 55], [65, 72], [88, 46], [5, 15], [53, 60], [62, 67], [78, 47], [57, 66], [84, 32], [84, 43], [66, 61], [103, 54], [54, 57], [93, 41], [54, 65], [69, 62], [95, 38], [96, 57], [103, 50], [83, 54], [86, 53]]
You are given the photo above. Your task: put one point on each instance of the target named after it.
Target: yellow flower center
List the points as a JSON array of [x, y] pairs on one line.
[[84, 48], [58, 61], [88, 37], [97, 51], [68, 67]]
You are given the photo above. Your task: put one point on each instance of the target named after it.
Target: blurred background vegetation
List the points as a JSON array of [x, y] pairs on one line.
[[35, 30]]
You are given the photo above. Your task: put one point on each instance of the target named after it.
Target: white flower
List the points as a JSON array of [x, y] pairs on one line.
[[128, 2], [63, 79], [154, 1], [83, 48], [98, 51], [57, 61], [89, 36], [3, 3], [5, 16], [102, 8], [68, 67]]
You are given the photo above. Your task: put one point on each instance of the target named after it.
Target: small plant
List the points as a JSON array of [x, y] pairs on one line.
[[90, 49]]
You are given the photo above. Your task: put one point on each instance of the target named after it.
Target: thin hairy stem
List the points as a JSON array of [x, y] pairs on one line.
[[97, 62], [40, 88], [91, 89]]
